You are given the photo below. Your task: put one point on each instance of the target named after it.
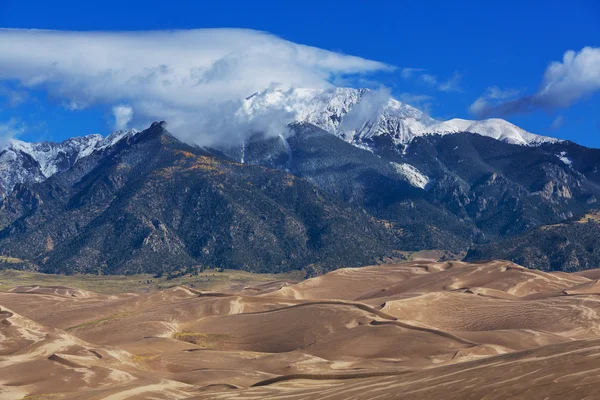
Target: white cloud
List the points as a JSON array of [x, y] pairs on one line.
[[565, 82], [492, 95], [429, 79], [421, 101], [178, 76], [452, 84], [408, 73], [122, 114], [367, 108], [9, 130], [576, 77], [558, 122], [414, 98], [496, 93], [420, 74], [14, 97], [480, 106]]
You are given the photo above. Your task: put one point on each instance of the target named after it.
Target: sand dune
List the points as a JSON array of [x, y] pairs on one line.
[[426, 330], [563, 371]]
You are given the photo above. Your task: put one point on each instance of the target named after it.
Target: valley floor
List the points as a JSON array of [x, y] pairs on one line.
[[414, 330]]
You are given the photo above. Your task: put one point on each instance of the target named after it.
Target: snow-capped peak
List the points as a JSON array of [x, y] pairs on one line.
[[500, 129], [24, 162], [357, 115]]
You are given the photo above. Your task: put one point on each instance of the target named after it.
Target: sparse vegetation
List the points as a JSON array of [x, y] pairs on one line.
[[110, 284], [204, 340], [11, 260], [143, 360], [433, 255], [571, 246]]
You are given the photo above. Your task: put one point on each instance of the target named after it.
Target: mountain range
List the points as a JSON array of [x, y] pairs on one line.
[[351, 178]]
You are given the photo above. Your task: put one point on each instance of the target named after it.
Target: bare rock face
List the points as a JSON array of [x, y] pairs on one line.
[[553, 191]]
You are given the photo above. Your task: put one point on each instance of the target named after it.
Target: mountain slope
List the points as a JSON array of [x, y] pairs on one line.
[[444, 191], [570, 246], [152, 203], [388, 190], [504, 189]]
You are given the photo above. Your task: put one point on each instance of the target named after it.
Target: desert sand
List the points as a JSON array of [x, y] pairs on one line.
[[413, 330]]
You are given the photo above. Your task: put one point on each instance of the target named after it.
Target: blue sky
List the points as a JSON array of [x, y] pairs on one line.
[[447, 55]]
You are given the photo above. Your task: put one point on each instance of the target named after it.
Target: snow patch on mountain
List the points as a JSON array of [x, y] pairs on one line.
[[412, 175], [115, 138], [562, 156]]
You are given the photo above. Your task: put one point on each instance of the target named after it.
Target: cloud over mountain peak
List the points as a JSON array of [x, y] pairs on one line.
[[183, 76]]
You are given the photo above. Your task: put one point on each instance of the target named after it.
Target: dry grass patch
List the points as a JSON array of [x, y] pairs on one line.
[[11, 260], [204, 340], [593, 216], [143, 360], [94, 322]]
